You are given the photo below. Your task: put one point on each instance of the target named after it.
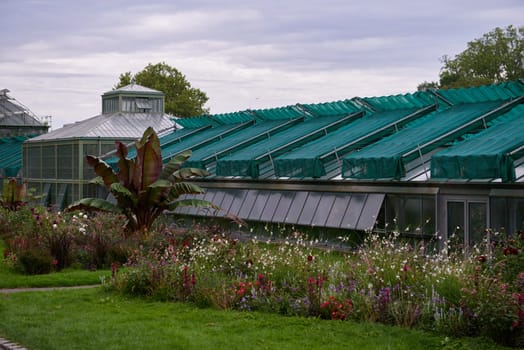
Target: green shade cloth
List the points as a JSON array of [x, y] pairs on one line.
[[503, 91], [386, 158], [309, 160], [331, 109], [246, 161], [227, 145], [200, 139], [11, 155], [195, 122], [386, 103], [279, 113], [487, 154]]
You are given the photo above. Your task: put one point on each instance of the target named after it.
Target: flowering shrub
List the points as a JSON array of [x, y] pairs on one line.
[[62, 239], [385, 280]]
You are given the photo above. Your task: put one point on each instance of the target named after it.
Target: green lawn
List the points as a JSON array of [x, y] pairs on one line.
[[69, 277], [94, 319]]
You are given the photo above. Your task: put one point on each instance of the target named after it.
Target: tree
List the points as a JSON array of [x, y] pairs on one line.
[[496, 57], [143, 187], [181, 99]]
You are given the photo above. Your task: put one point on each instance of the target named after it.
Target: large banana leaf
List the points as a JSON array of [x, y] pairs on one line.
[[124, 197], [156, 194], [186, 173], [148, 163], [103, 170], [125, 166], [94, 204], [181, 188], [174, 164]]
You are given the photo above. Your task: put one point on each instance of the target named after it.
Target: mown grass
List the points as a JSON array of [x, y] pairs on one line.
[[68, 277], [95, 319]]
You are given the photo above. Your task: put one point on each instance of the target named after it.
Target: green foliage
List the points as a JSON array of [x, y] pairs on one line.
[[34, 235], [181, 99], [35, 262], [143, 187], [14, 194], [496, 57]]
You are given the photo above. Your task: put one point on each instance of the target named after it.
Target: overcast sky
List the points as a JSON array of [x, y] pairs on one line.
[[58, 56]]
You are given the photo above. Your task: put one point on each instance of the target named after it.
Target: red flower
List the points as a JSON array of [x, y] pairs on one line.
[[482, 258], [309, 258]]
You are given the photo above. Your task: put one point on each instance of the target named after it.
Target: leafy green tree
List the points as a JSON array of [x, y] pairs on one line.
[[496, 57], [181, 99], [143, 187]]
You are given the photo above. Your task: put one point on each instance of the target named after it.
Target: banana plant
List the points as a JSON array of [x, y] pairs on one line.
[[143, 187], [14, 194]]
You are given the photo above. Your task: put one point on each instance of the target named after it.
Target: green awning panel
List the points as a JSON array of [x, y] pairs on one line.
[[488, 155], [310, 159], [179, 134], [233, 118], [503, 91], [246, 161], [196, 122], [387, 157], [386, 103], [203, 156], [331, 109], [201, 139], [11, 155], [279, 113]]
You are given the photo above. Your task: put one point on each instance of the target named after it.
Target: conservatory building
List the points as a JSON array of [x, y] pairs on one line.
[[54, 163]]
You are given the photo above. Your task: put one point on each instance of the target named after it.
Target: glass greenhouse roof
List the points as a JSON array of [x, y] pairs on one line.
[[245, 162], [114, 126], [309, 160], [488, 154]]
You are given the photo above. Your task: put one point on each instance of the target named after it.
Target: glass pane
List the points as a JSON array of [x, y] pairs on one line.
[[323, 210], [309, 208], [217, 200], [229, 196], [412, 215], [248, 204], [519, 215], [353, 211], [477, 222], [456, 221], [428, 215], [338, 209], [286, 199], [392, 212], [499, 214], [258, 205], [368, 216], [296, 207], [238, 200], [271, 206]]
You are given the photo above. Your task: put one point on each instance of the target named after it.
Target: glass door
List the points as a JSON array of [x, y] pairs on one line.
[[467, 220]]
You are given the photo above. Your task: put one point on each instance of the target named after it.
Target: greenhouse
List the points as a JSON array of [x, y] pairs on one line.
[[379, 163], [429, 163], [54, 163], [17, 124]]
